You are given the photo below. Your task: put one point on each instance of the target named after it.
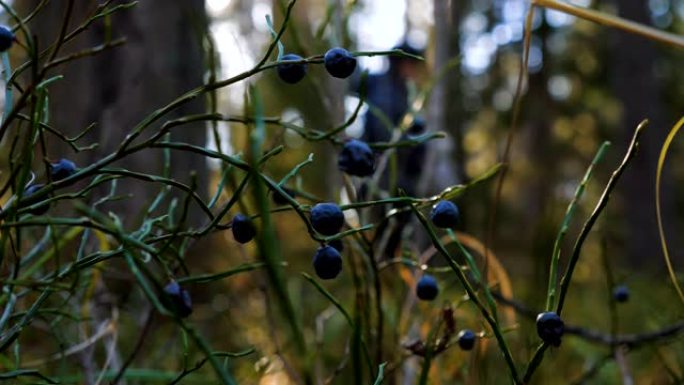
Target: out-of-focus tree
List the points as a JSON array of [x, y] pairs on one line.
[[163, 57], [634, 77]]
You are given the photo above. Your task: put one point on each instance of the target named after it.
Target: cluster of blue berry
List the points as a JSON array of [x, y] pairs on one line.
[[59, 170], [358, 159], [338, 62]]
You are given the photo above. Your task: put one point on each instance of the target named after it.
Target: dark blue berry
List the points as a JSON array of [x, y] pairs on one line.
[[177, 300], [417, 127], [339, 62], [280, 199], [327, 218], [327, 262], [445, 215], [621, 293], [466, 339], [291, 72], [30, 190], [243, 228], [337, 244], [62, 169], [7, 38], [356, 158], [550, 328], [427, 289]]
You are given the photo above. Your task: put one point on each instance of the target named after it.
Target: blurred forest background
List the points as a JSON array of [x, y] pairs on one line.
[[587, 84]]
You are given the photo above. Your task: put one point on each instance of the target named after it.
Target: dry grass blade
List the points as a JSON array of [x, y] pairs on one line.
[[661, 231], [613, 21]]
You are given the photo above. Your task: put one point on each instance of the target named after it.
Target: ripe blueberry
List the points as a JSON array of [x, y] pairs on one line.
[[243, 228], [177, 300], [62, 169], [291, 72], [356, 158], [337, 244], [621, 293], [339, 62], [327, 218], [280, 199], [327, 262], [427, 289], [466, 339], [6, 38], [445, 214], [417, 127], [550, 328], [30, 190]]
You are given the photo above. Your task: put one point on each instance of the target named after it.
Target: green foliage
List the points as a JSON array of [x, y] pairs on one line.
[[55, 268]]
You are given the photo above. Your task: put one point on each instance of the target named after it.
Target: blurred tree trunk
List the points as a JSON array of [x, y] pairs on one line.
[[162, 58], [454, 119], [636, 85], [439, 171], [540, 201]]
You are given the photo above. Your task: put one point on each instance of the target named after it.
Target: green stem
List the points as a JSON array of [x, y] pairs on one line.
[[503, 346], [565, 282], [476, 275], [534, 362], [555, 256], [603, 201], [222, 373]]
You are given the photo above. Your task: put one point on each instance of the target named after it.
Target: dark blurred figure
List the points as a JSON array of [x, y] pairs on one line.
[[387, 95]]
